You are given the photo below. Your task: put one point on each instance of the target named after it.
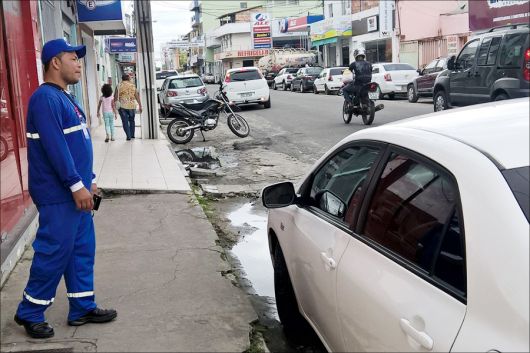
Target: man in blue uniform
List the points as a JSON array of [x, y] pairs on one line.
[[61, 185]]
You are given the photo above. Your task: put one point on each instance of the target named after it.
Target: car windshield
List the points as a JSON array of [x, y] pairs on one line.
[[396, 67], [185, 82], [245, 75], [165, 74], [518, 181], [313, 70], [337, 71]]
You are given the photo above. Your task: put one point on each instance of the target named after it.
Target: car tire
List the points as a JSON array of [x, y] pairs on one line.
[[315, 91], [284, 86], [293, 322], [411, 94], [391, 95], [501, 97], [274, 86], [267, 104], [326, 90], [440, 101]]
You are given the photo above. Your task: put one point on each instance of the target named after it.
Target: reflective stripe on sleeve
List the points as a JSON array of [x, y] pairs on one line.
[[79, 294], [65, 131], [37, 301]]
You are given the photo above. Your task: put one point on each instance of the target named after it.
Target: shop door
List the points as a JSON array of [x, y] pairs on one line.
[[247, 63], [346, 56]]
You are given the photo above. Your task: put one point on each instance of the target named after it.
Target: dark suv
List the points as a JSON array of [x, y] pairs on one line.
[[492, 66], [423, 85]]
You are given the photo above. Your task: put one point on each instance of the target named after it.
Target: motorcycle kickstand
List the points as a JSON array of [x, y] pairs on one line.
[[203, 138]]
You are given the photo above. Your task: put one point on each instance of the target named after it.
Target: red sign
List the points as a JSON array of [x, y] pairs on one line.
[[297, 23], [493, 13], [262, 40], [255, 52], [261, 29]]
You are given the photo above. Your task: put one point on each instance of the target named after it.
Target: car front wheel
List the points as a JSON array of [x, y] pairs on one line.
[[293, 322], [411, 94]]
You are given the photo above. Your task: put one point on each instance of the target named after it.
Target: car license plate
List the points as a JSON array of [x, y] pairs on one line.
[[373, 95], [248, 94]]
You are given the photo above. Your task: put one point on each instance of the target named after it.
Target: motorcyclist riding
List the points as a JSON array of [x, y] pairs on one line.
[[362, 70]]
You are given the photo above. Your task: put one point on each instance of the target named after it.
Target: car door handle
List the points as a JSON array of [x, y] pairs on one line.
[[418, 336], [328, 261]]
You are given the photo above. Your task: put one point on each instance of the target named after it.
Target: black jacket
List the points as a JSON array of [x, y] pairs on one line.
[[362, 70]]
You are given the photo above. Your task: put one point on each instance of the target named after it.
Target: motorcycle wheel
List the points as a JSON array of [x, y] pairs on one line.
[[346, 114], [368, 119], [238, 125], [174, 131], [4, 148]]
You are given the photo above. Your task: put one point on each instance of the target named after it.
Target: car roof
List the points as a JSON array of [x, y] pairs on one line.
[[246, 68], [499, 130], [183, 76]]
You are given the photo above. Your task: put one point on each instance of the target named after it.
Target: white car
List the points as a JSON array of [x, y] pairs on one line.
[[411, 236], [161, 76], [246, 85], [393, 78], [284, 78], [187, 88], [329, 80]]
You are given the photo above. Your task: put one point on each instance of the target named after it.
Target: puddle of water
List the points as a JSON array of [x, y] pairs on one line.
[[252, 250], [200, 157]]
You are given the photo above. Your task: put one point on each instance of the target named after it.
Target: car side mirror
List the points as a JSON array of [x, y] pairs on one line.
[[419, 71], [330, 203], [451, 63], [278, 195]]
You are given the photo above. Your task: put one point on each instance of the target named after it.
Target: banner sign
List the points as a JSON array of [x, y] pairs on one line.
[[121, 45], [99, 10], [126, 57], [452, 45], [261, 24], [241, 54], [486, 14], [386, 17], [331, 28]]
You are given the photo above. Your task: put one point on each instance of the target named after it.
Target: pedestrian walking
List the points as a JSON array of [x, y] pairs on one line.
[[61, 185], [109, 110], [126, 95]]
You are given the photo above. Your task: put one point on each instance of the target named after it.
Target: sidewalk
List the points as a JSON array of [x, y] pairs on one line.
[[157, 264]]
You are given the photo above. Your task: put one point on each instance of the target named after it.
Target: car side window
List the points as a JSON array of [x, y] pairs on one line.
[[337, 185], [375, 70], [430, 67], [494, 50], [441, 64], [413, 214], [512, 50], [467, 56], [483, 52]]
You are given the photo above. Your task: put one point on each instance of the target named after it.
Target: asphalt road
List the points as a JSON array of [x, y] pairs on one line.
[[314, 122]]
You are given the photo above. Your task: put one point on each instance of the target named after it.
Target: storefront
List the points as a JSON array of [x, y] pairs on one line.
[[332, 37], [239, 58], [366, 34], [19, 60]]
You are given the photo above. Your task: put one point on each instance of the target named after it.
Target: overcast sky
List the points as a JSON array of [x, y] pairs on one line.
[[171, 18]]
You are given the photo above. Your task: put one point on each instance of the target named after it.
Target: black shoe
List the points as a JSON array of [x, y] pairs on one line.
[[128, 139], [36, 329], [97, 316]]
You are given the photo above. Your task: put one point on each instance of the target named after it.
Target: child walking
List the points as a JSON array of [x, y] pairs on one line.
[[109, 110]]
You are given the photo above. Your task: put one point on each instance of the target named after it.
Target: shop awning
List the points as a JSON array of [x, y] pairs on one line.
[[317, 43]]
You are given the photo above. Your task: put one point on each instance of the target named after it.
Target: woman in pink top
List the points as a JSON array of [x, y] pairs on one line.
[[109, 110]]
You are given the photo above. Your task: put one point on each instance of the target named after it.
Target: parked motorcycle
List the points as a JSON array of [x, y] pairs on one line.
[[363, 104], [204, 117]]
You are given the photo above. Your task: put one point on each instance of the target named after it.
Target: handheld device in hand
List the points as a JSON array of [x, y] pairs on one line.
[[97, 201]]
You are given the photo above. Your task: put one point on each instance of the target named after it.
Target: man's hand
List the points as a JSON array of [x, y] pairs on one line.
[[83, 199], [94, 189]]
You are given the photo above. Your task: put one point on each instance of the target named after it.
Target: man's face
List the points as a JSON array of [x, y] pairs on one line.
[[70, 67]]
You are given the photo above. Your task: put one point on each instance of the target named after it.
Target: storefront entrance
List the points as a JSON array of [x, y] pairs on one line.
[[379, 51]]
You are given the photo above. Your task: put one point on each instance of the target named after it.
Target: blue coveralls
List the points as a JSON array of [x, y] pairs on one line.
[[59, 156]]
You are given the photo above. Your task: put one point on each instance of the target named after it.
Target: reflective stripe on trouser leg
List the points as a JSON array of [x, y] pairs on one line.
[[79, 273], [53, 246]]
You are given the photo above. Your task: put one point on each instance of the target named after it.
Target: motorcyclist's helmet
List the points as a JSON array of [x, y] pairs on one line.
[[360, 52]]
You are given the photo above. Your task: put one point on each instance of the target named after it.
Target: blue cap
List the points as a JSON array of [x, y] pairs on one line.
[[57, 46]]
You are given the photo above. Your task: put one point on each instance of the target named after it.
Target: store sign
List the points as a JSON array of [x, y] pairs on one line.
[[452, 45], [371, 24], [486, 14], [277, 31], [386, 17], [121, 45], [331, 28], [99, 10], [241, 54], [126, 57], [261, 24]]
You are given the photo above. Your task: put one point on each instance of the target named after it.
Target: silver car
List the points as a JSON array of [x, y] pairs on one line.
[[187, 88]]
